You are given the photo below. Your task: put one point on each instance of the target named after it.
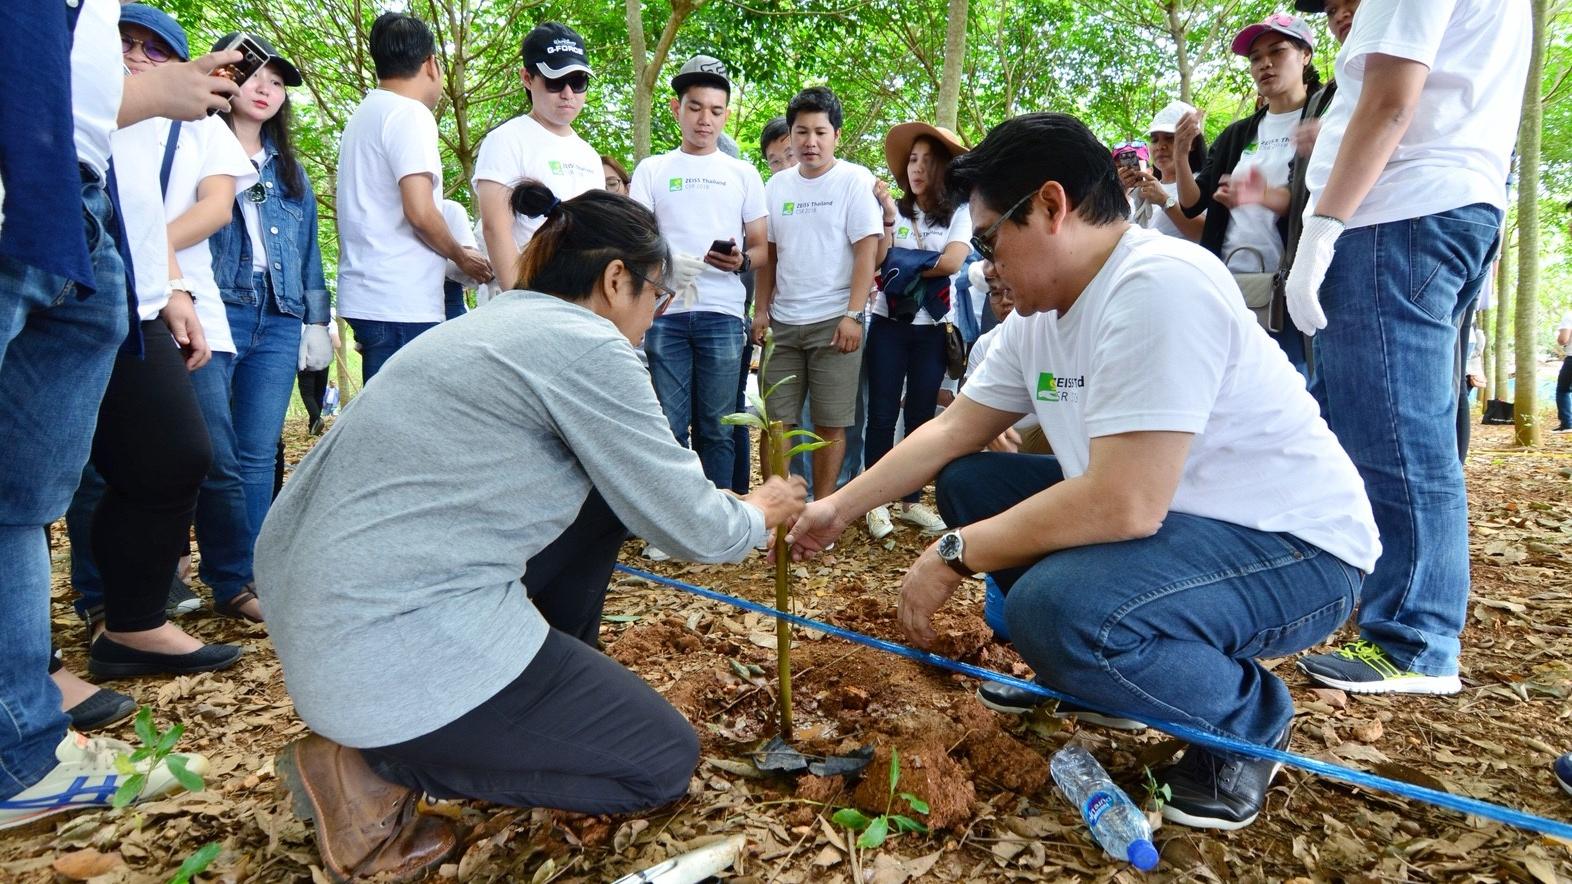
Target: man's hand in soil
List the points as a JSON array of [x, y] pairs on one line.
[[815, 530], [779, 499], [928, 585]]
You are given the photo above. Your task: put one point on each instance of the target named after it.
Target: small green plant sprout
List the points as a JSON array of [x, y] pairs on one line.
[[776, 451], [874, 830], [1156, 795], [196, 863], [156, 747]]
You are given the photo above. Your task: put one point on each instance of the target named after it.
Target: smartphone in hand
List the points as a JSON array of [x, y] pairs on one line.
[[255, 57], [723, 246]]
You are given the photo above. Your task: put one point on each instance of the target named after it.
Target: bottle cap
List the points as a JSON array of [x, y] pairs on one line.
[[1142, 855]]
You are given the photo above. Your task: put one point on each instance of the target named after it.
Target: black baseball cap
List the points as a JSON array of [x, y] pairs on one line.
[[705, 69], [555, 50], [287, 69]]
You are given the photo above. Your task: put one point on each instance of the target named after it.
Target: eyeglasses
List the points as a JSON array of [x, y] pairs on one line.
[[578, 82], [663, 293], [157, 51], [984, 242]]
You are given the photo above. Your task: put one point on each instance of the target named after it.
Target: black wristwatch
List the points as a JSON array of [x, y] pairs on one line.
[[951, 548], [747, 264]]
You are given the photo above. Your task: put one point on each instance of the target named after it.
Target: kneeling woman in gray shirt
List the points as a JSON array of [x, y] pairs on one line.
[[521, 439]]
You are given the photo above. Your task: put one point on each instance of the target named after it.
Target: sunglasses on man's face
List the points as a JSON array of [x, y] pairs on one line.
[[984, 242], [157, 51], [578, 82]]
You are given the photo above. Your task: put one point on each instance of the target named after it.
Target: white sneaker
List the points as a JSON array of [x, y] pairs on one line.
[[87, 777], [923, 518], [655, 553], [879, 524]]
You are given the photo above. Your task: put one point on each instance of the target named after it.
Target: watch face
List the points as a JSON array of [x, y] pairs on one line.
[[950, 546]]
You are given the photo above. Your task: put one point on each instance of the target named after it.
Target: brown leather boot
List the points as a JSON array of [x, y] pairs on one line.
[[365, 825]]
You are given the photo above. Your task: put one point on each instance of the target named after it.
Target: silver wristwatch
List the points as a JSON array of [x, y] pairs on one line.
[[859, 315], [951, 548]]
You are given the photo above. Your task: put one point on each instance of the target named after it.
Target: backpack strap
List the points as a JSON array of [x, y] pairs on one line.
[[170, 144]]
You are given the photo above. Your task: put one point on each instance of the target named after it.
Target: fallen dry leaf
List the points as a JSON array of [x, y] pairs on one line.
[[79, 865]]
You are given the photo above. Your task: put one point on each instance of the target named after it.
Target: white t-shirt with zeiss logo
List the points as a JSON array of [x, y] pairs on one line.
[[386, 272], [1458, 148], [813, 223], [522, 148], [923, 233], [698, 200], [1255, 226], [1159, 341]]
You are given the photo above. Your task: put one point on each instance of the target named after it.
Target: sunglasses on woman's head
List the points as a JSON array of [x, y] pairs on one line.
[[578, 82], [156, 50]]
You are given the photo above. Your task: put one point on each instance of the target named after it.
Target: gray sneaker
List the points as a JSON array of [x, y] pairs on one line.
[[182, 600], [1011, 700]]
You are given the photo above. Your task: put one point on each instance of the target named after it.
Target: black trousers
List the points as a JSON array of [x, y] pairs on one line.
[[575, 731], [152, 449]]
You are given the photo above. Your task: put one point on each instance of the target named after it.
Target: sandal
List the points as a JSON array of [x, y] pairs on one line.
[[232, 608]]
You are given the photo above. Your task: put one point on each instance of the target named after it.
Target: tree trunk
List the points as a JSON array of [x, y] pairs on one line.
[[1528, 237], [642, 96], [954, 62], [1178, 33], [1503, 316]]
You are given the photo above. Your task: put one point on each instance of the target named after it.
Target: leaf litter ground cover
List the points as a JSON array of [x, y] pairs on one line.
[[991, 809]]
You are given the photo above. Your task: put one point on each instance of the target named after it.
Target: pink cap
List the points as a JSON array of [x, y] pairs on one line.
[[1278, 22]]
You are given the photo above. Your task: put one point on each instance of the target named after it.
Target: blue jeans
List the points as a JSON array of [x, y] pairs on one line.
[[379, 340], [693, 363], [244, 397], [1564, 394], [901, 356], [56, 351], [1386, 375], [1168, 627], [741, 442], [453, 305], [1293, 343]]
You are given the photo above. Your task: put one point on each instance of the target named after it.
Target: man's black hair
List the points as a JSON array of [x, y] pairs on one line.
[[400, 44], [815, 100], [774, 131], [1023, 153]]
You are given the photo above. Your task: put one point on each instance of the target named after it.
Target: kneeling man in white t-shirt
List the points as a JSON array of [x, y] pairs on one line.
[[1196, 514]]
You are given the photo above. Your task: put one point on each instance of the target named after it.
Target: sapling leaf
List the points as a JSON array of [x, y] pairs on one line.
[[196, 863], [769, 350], [129, 790], [916, 803], [144, 726], [124, 765], [777, 385], [907, 824], [874, 835], [188, 778], [850, 818], [167, 740], [801, 433], [743, 419], [758, 405], [895, 768], [806, 446], [142, 754]]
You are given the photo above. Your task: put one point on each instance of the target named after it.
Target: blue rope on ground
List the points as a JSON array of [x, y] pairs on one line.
[[1459, 803]]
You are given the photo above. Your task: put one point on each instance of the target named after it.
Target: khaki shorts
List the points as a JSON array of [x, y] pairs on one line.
[[803, 353]]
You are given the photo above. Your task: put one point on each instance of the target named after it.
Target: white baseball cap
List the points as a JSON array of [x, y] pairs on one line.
[[1167, 119]]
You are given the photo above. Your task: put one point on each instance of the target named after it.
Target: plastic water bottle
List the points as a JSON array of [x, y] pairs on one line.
[[1117, 824]]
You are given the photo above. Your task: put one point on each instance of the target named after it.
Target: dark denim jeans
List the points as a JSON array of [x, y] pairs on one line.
[[1386, 374], [693, 358], [1564, 394], [379, 340], [901, 358], [453, 305], [244, 397], [1168, 627], [56, 351]]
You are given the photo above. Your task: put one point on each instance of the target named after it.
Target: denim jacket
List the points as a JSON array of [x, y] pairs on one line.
[[289, 228]]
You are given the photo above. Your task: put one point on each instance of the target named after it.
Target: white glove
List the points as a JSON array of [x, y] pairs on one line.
[[316, 348], [684, 278], [1303, 290]]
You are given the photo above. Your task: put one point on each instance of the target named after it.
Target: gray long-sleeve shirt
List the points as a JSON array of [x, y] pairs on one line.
[[389, 568]]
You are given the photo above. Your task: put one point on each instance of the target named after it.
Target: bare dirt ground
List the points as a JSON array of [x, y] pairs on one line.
[[993, 810]]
